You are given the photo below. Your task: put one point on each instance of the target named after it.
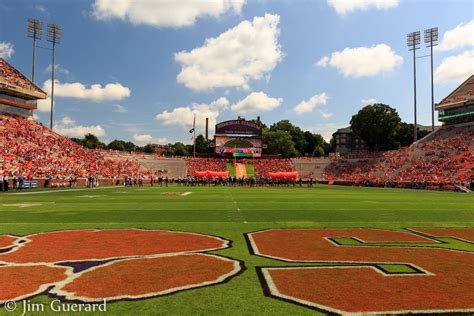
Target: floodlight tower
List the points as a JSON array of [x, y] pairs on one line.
[[431, 39], [35, 31], [413, 43], [54, 36]]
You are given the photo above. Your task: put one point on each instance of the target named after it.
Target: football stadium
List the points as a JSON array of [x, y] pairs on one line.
[[374, 216]]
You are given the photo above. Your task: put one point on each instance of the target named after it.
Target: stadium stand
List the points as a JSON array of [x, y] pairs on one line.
[[30, 150], [311, 167], [440, 160], [12, 77], [202, 164], [264, 166], [168, 167]]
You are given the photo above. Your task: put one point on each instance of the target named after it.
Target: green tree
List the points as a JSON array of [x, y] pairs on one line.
[[329, 147], [116, 145], [312, 141], [259, 123], [279, 142], [148, 148], [180, 149], [76, 140], [295, 132], [202, 145], [318, 151], [92, 142], [376, 124], [404, 135], [129, 146]]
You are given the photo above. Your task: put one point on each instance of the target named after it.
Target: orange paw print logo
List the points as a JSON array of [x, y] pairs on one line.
[[116, 264]]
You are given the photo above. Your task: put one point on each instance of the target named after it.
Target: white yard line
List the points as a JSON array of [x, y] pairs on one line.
[[235, 215]]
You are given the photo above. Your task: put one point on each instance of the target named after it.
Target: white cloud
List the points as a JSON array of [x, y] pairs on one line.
[[364, 61], [325, 114], [256, 102], [97, 93], [249, 51], [143, 139], [67, 121], [119, 108], [459, 37], [68, 127], [368, 101], [163, 13], [34, 117], [309, 105], [44, 105], [455, 69], [57, 69], [6, 50], [343, 7], [323, 62], [326, 130], [41, 8], [183, 116]]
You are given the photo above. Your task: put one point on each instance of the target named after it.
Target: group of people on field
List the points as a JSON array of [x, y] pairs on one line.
[[242, 182], [17, 182]]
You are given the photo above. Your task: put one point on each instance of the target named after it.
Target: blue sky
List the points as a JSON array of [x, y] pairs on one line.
[[137, 71]]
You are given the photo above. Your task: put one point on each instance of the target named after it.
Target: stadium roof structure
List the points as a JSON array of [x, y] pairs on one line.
[[461, 96], [14, 83]]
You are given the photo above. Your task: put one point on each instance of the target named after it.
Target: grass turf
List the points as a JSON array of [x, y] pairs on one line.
[[250, 170], [231, 169], [212, 210]]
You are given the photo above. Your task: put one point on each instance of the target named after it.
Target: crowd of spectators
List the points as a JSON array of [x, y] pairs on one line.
[[13, 77], [446, 158], [364, 155], [29, 150], [203, 164], [264, 166]]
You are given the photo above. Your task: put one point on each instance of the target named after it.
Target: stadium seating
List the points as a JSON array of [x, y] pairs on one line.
[[29, 149], [308, 167], [264, 166], [169, 167], [203, 164], [441, 160], [14, 78], [445, 158]]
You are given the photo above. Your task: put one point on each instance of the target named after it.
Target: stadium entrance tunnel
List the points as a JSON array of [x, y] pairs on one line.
[[93, 265], [369, 270]]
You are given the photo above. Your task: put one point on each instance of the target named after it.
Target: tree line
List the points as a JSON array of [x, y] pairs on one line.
[[379, 125]]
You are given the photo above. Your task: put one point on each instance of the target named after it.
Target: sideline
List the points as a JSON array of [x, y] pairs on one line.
[[57, 191]]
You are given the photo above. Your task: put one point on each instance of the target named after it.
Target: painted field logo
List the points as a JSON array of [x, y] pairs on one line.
[[93, 265], [369, 270]]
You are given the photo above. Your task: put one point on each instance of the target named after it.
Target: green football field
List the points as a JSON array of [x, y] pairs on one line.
[[229, 213]]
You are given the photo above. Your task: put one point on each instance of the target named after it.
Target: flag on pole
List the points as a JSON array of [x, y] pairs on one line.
[[193, 130]]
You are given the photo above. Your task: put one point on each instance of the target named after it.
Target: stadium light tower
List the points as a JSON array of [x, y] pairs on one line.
[[431, 39], [413, 43], [54, 36], [35, 31]]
